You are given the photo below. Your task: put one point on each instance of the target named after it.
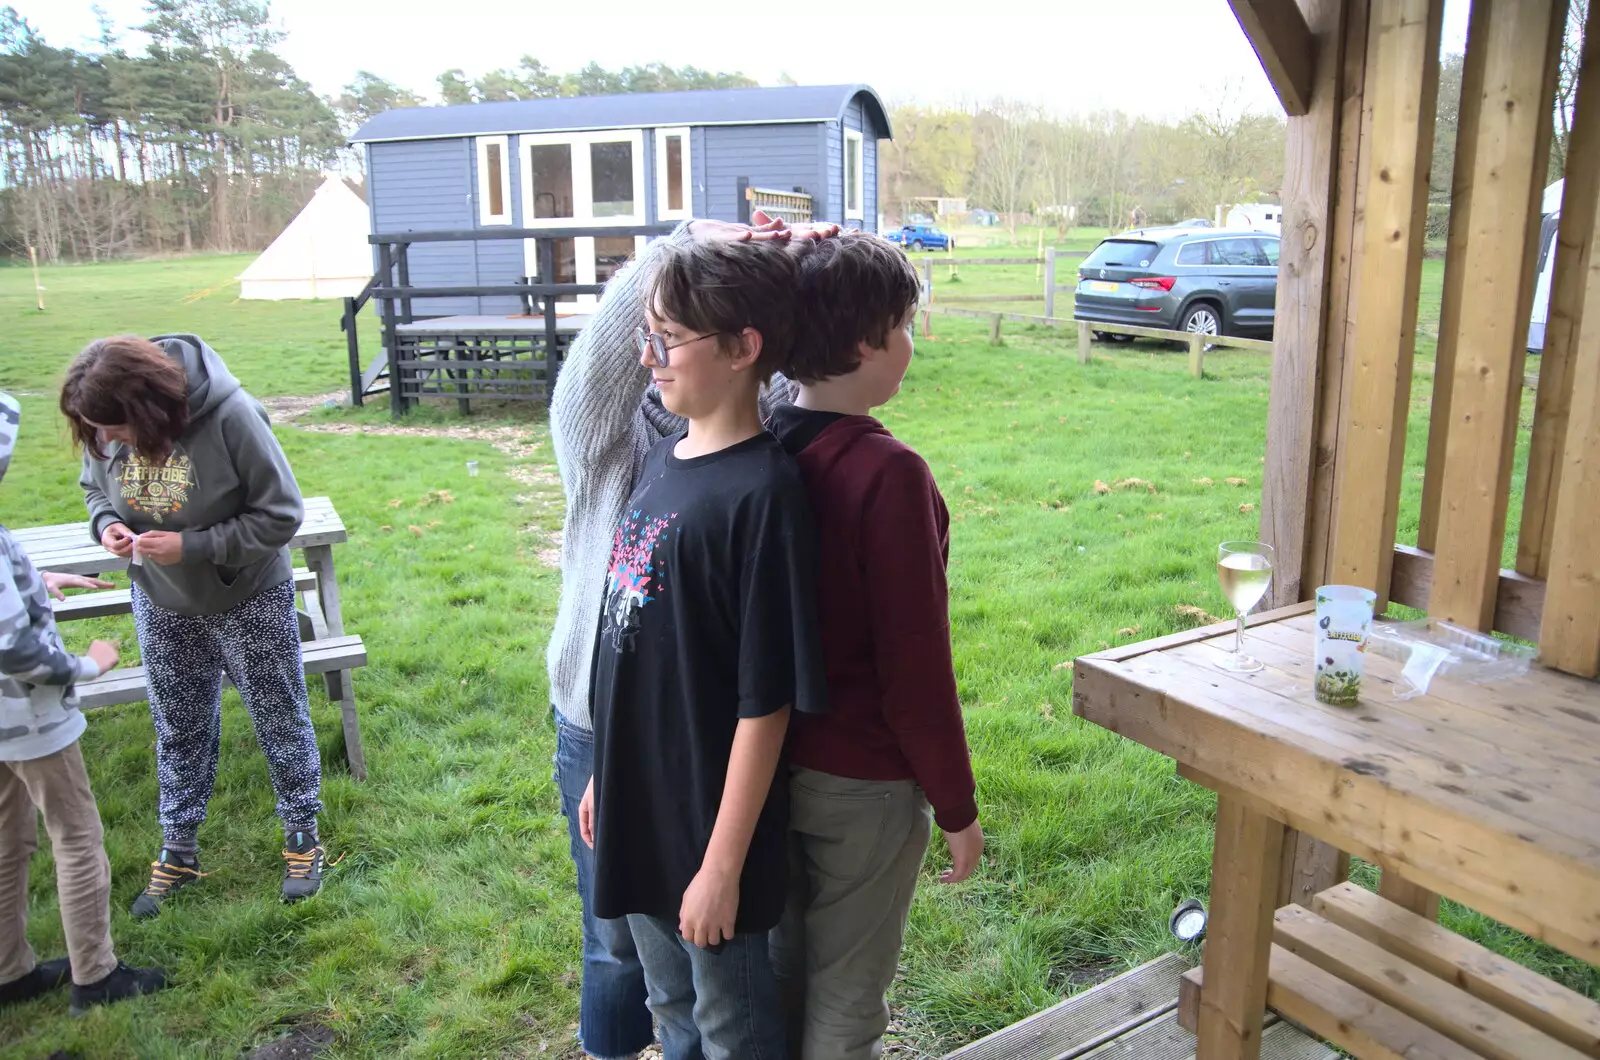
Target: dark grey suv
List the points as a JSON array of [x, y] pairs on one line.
[[1213, 282]]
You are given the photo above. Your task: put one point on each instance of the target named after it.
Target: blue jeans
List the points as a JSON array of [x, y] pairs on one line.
[[711, 1006], [613, 1017]]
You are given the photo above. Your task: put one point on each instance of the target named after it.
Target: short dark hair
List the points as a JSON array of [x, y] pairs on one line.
[[727, 287], [853, 289], [127, 381]]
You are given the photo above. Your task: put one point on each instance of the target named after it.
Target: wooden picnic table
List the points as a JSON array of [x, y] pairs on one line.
[[1486, 794], [68, 549]]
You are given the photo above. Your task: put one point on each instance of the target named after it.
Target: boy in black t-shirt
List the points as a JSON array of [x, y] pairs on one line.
[[707, 640]]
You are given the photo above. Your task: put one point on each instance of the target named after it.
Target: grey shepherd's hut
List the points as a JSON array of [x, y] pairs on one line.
[[596, 162]]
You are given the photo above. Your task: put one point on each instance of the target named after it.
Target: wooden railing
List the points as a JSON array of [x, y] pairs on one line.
[[391, 286]]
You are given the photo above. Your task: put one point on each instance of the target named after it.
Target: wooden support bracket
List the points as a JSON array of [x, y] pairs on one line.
[[1283, 42]]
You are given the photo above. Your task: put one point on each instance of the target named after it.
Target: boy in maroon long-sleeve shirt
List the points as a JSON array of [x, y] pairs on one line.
[[863, 776]]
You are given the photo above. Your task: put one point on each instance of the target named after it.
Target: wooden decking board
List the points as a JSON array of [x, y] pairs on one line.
[[1131, 1017], [1087, 1019], [1163, 1039], [1160, 1039]]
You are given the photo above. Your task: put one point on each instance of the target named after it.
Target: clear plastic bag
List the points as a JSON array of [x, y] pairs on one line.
[[1430, 648]]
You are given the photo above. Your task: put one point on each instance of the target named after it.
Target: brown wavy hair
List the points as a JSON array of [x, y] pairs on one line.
[[853, 289], [727, 287], [127, 381]]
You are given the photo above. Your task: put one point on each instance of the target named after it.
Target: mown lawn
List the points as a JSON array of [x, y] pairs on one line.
[[450, 929]]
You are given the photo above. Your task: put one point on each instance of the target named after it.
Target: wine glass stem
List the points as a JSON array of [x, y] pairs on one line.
[[1238, 634]]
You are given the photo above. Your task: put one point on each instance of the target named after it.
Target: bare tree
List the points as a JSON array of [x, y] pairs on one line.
[[1567, 83], [1064, 156], [1007, 158]]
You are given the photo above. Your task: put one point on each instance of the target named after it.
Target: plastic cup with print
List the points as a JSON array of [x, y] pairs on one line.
[[1344, 625]]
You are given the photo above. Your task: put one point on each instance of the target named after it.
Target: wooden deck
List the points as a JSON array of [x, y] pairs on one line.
[[1131, 1017]]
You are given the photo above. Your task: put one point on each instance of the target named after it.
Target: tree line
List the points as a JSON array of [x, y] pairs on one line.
[[205, 138], [1105, 169], [1113, 170]]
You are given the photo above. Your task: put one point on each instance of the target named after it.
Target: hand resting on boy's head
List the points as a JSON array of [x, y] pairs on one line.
[[765, 229]]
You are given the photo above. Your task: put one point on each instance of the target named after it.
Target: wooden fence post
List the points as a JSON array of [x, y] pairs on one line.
[[1083, 342], [1050, 282], [352, 344], [1197, 354], [927, 297], [994, 330], [38, 288]]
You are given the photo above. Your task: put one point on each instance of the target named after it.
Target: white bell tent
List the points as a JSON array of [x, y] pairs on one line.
[[322, 254]]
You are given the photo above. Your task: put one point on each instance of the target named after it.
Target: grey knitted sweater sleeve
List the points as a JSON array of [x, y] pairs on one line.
[[601, 434], [604, 419]]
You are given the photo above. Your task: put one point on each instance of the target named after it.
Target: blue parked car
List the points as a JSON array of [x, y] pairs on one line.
[[920, 237]]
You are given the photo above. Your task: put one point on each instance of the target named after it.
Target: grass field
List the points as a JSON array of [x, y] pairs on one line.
[[450, 930]]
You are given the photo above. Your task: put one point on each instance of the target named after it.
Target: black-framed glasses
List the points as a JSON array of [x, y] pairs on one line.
[[657, 344]]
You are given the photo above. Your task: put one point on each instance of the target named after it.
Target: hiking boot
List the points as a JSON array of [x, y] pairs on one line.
[[37, 983], [123, 982], [169, 872], [303, 865]]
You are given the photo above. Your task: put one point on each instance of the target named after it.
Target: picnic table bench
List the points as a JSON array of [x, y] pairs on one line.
[[1482, 793], [68, 549]]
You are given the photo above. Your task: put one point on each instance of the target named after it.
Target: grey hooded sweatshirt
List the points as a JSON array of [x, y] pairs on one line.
[[227, 489], [38, 706]]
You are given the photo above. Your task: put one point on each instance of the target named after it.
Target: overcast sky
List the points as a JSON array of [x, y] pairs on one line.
[[1153, 57]]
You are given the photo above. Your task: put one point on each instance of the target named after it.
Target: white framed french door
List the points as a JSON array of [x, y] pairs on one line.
[[583, 180]]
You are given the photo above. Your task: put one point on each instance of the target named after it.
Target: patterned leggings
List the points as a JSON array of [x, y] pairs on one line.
[[257, 644]]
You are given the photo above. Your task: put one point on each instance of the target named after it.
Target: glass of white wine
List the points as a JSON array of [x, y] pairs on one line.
[[1244, 568]]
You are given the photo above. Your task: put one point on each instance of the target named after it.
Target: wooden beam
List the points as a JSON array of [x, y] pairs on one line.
[[1244, 883], [1519, 44], [1471, 105], [1284, 44], [1569, 637], [1574, 244], [1310, 867], [1519, 601], [1336, 367], [1401, 90], [1301, 324]]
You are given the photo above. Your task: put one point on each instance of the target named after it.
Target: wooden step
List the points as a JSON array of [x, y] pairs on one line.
[[1338, 1012], [1563, 1014], [1395, 981], [107, 602], [1386, 984], [127, 684]]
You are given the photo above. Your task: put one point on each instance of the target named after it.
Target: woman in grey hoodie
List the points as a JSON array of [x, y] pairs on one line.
[[182, 475]]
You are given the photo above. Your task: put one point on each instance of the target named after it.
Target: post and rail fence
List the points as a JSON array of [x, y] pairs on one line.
[[953, 305]]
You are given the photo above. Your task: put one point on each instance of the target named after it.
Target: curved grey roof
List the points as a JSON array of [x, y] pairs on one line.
[[640, 110]]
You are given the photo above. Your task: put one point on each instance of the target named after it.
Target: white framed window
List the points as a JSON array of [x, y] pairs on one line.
[[494, 181], [674, 198], [854, 176], [582, 180]]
